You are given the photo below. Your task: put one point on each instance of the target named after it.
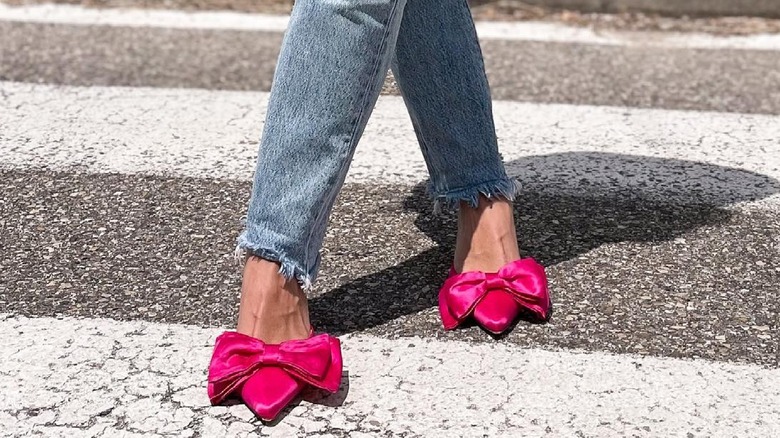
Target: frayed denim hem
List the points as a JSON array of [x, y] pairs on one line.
[[288, 268], [507, 188]]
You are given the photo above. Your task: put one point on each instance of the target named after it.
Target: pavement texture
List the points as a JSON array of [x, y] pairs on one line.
[[689, 157], [628, 274], [518, 70], [100, 378], [687, 239], [650, 192]]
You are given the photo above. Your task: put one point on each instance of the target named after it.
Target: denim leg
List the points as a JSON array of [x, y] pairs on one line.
[[329, 75], [439, 67]]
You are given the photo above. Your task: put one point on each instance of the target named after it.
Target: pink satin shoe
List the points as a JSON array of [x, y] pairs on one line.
[[495, 299], [267, 377]]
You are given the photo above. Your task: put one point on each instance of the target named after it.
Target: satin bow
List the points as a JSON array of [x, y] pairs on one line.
[[524, 280], [316, 361]]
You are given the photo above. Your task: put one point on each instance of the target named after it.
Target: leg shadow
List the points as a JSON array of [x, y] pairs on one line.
[[572, 203]]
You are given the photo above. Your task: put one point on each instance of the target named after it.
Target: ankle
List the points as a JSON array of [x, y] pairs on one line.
[[272, 308], [487, 238], [493, 210]]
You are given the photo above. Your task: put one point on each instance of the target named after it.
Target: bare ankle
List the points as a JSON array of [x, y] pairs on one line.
[[487, 238], [272, 308]]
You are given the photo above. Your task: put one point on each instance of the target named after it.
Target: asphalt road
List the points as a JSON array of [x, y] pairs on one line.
[[629, 275], [662, 243], [744, 81]]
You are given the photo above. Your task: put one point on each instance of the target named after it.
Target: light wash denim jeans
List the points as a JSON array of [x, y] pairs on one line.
[[332, 65]]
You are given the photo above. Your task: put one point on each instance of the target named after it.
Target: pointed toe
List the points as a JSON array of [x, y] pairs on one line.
[[496, 311], [269, 391]]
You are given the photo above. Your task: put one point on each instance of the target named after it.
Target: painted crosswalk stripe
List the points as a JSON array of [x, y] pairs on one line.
[[214, 134], [150, 377]]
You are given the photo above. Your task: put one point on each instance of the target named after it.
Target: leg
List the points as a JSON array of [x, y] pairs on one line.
[[330, 72], [442, 78]]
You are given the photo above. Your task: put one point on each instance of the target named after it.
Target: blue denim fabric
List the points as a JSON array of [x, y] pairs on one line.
[[332, 65]]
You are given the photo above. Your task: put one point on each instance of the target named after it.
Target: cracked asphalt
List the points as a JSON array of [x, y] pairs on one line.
[[88, 378]]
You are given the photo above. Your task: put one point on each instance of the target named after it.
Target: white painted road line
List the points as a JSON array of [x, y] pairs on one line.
[[152, 376], [201, 133], [516, 31]]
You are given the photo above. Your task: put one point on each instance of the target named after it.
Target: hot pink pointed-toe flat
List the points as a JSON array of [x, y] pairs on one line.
[[495, 299], [267, 377]]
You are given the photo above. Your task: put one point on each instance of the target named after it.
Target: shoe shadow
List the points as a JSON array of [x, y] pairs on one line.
[[318, 397], [314, 396], [571, 203]]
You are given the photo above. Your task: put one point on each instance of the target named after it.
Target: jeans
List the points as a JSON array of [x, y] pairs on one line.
[[333, 62]]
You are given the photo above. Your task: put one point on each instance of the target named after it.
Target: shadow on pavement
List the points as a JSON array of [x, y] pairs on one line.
[[571, 203]]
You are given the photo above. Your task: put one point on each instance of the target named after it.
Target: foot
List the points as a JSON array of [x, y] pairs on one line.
[[487, 239], [272, 308], [267, 378]]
